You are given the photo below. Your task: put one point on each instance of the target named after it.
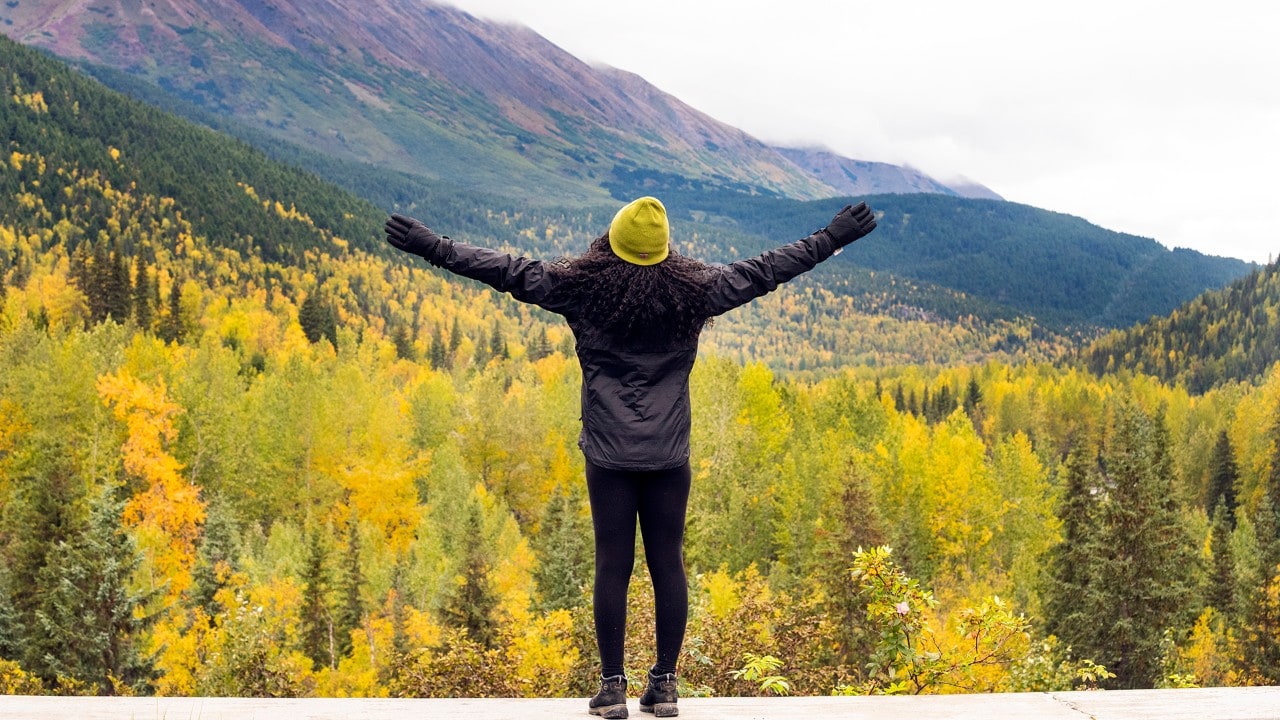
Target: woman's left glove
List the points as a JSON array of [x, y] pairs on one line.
[[851, 223], [411, 236]]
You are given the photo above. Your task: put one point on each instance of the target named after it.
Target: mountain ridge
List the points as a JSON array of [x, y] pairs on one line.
[[420, 87]]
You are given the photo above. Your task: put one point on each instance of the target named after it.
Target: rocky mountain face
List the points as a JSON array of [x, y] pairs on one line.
[[431, 90], [860, 177]]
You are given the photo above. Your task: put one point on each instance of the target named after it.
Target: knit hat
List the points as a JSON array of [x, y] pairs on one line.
[[639, 232]]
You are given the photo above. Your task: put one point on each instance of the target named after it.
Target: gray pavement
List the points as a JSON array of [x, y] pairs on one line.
[[1198, 704]]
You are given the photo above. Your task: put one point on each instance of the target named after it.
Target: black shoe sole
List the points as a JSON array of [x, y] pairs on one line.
[[661, 709], [610, 712]]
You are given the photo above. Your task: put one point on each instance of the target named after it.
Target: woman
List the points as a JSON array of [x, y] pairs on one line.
[[636, 310]]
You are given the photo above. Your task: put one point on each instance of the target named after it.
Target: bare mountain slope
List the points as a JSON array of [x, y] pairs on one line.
[[416, 86]]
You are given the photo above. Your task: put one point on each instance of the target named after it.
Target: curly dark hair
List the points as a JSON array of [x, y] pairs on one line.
[[643, 303]]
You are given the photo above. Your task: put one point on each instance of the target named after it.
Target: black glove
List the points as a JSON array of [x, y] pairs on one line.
[[851, 223], [411, 236]]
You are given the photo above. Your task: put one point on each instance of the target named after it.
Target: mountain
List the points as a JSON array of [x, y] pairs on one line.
[[422, 88], [1226, 335], [1060, 269], [112, 207], [860, 177], [259, 71]]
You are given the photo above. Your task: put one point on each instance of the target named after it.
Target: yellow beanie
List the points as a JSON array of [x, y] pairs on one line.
[[639, 232]]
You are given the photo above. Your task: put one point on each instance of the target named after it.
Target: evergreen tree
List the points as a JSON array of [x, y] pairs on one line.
[[119, 291], [216, 556], [437, 354], [398, 613], [972, 397], [351, 609], [173, 328], [81, 270], [541, 346], [97, 287], [455, 339], [317, 319], [1145, 555], [1070, 591], [47, 511], [403, 343], [87, 619], [1269, 511], [1221, 593], [564, 544], [10, 640], [498, 342], [316, 620], [473, 604], [1222, 479], [142, 292], [1261, 634], [855, 523]]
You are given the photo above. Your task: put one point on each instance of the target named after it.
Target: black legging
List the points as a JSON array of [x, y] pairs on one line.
[[659, 499]]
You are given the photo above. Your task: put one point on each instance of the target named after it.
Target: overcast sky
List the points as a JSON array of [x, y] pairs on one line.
[[1160, 119]]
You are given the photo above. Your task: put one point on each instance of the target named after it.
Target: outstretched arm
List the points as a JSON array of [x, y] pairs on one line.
[[743, 281], [526, 280]]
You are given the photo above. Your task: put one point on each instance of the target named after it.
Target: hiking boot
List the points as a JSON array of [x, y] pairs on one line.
[[611, 701], [661, 695]]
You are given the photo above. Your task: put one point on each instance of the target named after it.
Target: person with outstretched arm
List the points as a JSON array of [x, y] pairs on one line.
[[636, 309]]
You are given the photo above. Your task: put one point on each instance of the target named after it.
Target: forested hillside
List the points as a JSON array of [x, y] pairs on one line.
[[995, 280], [1057, 268], [244, 450], [1222, 336]]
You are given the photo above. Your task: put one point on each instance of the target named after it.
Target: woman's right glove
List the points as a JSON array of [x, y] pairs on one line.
[[851, 223], [411, 236]]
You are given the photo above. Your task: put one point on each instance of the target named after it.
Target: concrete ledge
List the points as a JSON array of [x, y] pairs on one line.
[[1199, 704]]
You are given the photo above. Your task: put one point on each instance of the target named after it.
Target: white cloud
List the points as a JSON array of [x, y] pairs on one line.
[[1128, 113]]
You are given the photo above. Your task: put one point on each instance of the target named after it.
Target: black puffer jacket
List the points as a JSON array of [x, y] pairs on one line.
[[635, 400]]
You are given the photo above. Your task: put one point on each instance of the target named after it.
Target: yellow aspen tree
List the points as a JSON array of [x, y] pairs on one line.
[[166, 514]]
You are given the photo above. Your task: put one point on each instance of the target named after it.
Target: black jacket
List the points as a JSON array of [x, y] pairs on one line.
[[635, 400]]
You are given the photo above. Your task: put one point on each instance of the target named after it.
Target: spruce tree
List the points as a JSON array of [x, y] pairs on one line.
[[49, 508], [1221, 593], [455, 339], [541, 346], [351, 608], [10, 640], [1261, 633], [98, 284], [972, 397], [403, 343], [1068, 597], [142, 308], [437, 353], [316, 620], [398, 613], [473, 604], [317, 319], [854, 523], [172, 327], [1145, 552], [119, 291], [498, 343], [216, 556], [1260, 636], [564, 544], [88, 621], [1222, 479], [1269, 512]]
